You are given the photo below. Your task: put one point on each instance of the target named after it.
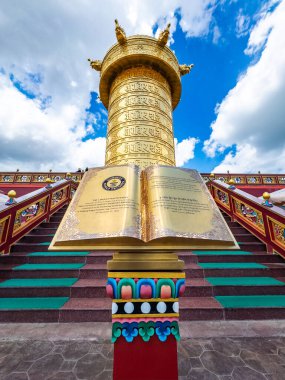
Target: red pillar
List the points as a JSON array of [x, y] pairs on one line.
[[139, 360]]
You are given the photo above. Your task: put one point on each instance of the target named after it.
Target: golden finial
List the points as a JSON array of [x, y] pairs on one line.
[[120, 33], [96, 64], [48, 181], [11, 194], [163, 36], [266, 197], [185, 69], [212, 176], [232, 184]]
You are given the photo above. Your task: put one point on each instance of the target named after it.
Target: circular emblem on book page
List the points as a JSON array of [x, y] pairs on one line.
[[113, 183]]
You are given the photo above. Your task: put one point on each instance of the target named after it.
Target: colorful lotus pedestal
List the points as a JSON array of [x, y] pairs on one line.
[[145, 313]]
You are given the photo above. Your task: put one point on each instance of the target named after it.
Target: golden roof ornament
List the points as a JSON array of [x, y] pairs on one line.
[[163, 36], [120, 33], [185, 69], [96, 64]]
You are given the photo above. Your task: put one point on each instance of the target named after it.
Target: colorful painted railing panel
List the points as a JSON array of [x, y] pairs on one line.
[[277, 232], [6, 178], [247, 179], [40, 177], [4, 226], [266, 223], [249, 214], [58, 197], [30, 210], [23, 178], [30, 213], [221, 197]]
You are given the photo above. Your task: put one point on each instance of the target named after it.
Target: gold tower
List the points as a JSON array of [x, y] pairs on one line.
[[140, 86]]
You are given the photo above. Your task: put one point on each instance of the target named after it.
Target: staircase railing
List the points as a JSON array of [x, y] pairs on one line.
[[28, 211], [266, 223], [37, 177], [239, 178], [254, 179]]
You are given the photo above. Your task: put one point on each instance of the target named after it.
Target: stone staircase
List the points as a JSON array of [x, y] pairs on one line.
[[41, 286]]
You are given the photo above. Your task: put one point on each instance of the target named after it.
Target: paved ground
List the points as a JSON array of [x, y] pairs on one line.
[[208, 351]]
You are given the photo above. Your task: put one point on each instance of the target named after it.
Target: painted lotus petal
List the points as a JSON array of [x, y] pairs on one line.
[[146, 338], [129, 331], [161, 336], [146, 330], [150, 331], [130, 326], [142, 331], [144, 335], [163, 330], [129, 335], [116, 331], [129, 338], [162, 325], [167, 331], [134, 332], [175, 330]]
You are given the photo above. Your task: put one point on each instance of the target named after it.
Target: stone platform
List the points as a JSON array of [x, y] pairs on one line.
[[214, 350]]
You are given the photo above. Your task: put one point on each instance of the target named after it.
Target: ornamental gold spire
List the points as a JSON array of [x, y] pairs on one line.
[[120, 33], [96, 65], [185, 69], [163, 36], [140, 86]]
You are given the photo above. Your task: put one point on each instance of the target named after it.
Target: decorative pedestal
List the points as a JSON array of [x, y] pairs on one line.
[[145, 313]]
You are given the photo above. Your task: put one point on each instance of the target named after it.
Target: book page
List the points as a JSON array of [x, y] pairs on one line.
[[180, 205], [106, 205]]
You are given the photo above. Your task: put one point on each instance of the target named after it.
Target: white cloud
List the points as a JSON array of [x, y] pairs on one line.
[[216, 34], [36, 140], [45, 45], [261, 31], [242, 24], [196, 16], [184, 150], [247, 159], [252, 115]]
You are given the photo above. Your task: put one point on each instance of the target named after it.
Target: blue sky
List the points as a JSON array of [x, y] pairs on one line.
[[231, 113], [218, 64]]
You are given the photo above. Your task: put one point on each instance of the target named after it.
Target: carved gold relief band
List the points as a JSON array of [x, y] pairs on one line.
[[140, 119]]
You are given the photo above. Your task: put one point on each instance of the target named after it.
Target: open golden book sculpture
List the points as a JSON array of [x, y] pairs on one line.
[[126, 208]]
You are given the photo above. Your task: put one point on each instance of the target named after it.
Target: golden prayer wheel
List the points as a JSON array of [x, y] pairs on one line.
[[140, 86]]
